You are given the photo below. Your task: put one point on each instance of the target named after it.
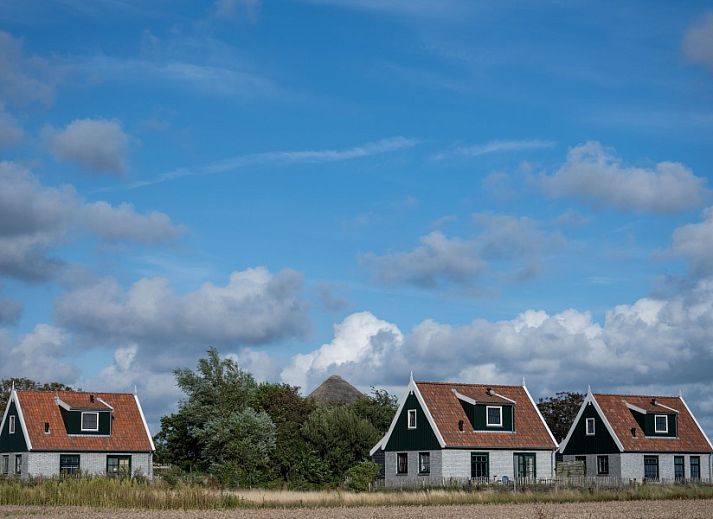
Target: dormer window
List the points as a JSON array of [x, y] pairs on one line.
[[11, 425], [494, 416], [411, 419], [590, 426], [90, 422], [661, 424]]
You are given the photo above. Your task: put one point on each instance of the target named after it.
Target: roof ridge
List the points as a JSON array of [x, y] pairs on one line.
[[467, 384], [623, 395]]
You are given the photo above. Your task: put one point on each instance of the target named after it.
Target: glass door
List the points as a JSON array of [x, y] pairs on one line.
[[525, 466]]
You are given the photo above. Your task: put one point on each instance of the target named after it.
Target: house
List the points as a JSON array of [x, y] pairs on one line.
[[636, 437], [444, 432], [50, 433]]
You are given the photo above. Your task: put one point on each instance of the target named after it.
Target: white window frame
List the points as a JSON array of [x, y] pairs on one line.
[[82, 421], [656, 419], [409, 414], [487, 415], [594, 426], [11, 425]]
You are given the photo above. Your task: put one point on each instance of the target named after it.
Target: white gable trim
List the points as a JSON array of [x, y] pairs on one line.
[[461, 396], [542, 418], [696, 422], [412, 387], [506, 398], [13, 398], [143, 419], [105, 403], [667, 407], [590, 399], [635, 408], [64, 405]]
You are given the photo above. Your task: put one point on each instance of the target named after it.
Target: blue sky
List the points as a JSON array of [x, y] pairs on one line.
[[472, 192]]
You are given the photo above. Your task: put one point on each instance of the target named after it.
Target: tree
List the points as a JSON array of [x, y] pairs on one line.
[[378, 408], [25, 384], [294, 461], [559, 412], [238, 447], [340, 437]]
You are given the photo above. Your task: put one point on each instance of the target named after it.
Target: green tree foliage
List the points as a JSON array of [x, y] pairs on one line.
[[559, 412], [238, 447], [361, 475], [379, 408], [26, 384], [340, 437]]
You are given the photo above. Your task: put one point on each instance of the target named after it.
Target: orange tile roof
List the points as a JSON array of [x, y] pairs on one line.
[[530, 431], [690, 437], [128, 433], [84, 402]]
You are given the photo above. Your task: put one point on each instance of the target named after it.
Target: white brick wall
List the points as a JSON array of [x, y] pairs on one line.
[[47, 463], [11, 463], [454, 464], [632, 466]]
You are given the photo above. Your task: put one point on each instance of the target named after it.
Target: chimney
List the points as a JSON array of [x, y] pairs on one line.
[[489, 391], [91, 398], [653, 401]]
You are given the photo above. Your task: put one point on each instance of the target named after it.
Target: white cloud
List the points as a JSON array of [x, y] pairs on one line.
[[254, 307], [503, 147], [595, 174], [34, 219], [698, 41], [24, 79], [694, 242], [96, 145], [360, 339], [379, 147], [515, 245], [38, 355], [10, 311], [11, 133], [663, 342]]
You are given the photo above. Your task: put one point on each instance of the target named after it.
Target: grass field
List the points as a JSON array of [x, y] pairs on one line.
[[690, 509], [117, 494]]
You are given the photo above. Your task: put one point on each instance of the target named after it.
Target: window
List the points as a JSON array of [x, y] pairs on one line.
[[424, 462], [411, 418], [695, 467], [47, 427], [68, 464], [525, 464], [479, 465], [402, 463], [494, 416], [651, 467], [90, 421], [679, 470], [603, 465], [590, 426], [118, 466], [661, 423], [5, 464], [18, 463], [11, 425]]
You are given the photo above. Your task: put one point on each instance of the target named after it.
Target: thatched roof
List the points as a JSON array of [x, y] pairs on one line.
[[335, 390]]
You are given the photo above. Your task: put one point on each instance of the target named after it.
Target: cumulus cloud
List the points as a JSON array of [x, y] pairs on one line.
[[39, 355], [254, 307], [24, 79], [35, 218], [361, 339], [698, 41], [694, 242], [595, 174], [514, 244], [653, 343], [96, 145], [10, 311], [11, 133]]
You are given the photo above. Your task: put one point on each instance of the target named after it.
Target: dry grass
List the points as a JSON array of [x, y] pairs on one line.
[[116, 494], [608, 510]]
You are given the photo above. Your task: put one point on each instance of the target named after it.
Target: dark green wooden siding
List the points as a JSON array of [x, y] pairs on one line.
[[73, 423], [12, 442], [405, 439], [600, 443], [479, 418], [650, 426]]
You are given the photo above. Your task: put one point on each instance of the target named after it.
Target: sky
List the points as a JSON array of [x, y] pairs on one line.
[[475, 192]]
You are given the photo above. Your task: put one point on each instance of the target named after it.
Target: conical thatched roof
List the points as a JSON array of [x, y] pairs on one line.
[[335, 390]]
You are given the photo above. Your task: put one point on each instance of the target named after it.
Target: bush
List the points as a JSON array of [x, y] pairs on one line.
[[361, 475]]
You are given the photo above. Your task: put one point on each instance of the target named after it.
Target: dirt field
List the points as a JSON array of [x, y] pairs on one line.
[[690, 509]]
